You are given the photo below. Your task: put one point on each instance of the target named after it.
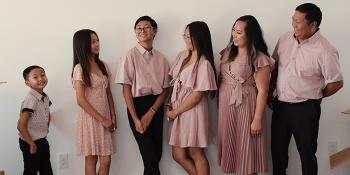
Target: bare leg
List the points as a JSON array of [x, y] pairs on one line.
[[105, 164], [181, 157], [90, 165], [200, 160]]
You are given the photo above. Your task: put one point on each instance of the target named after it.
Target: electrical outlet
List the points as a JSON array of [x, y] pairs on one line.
[[332, 147], [63, 161]]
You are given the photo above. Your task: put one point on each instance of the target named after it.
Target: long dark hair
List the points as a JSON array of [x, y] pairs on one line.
[[201, 40], [82, 54], [255, 39]]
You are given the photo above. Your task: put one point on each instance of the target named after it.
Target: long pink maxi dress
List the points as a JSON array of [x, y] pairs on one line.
[[239, 151]]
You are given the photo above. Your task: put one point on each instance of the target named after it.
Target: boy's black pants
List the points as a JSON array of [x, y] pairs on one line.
[[150, 142], [38, 162]]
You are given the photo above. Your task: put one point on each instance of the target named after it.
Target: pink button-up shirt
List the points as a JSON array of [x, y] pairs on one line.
[[146, 71], [304, 69]]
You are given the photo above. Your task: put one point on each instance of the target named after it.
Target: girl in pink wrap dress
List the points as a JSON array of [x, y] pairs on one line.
[[193, 75]]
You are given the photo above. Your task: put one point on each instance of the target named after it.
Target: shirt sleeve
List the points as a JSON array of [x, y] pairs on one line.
[[263, 60], [77, 75], [205, 78], [28, 105], [330, 67], [125, 71]]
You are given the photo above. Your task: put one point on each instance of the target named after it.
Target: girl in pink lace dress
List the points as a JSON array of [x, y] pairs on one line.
[[96, 113], [193, 75], [244, 82]]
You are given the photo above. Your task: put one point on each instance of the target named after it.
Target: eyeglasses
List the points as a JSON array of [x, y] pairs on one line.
[[145, 29], [186, 37]]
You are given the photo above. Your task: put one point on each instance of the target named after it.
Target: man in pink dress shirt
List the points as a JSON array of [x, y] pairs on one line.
[[308, 70]]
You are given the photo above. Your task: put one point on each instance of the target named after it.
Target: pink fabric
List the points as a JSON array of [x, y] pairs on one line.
[[191, 128], [146, 72], [92, 137], [238, 151], [305, 69], [37, 123]]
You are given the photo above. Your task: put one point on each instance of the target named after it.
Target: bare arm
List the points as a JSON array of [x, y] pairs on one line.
[[111, 106], [332, 88], [23, 129], [191, 101], [129, 102], [86, 106], [148, 116], [160, 99], [262, 79]]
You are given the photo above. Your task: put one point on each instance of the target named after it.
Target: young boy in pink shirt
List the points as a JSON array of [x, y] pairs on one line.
[[33, 124]]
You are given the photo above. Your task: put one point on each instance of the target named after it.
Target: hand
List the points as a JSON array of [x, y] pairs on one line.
[[32, 148], [138, 126], [107, 123], [256, 127], [172, 114], [147, 119], [169, 108]]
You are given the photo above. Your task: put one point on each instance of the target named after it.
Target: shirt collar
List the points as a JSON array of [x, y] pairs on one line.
[[315, 36], [37, 95], [143, 50], [312, 39]]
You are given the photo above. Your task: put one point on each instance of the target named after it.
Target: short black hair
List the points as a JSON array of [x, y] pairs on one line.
[[146, 18], [313, 13], [27, 71]]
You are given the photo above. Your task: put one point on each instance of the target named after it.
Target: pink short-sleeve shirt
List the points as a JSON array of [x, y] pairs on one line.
[[37, 104], [146, 71], [304, 69]]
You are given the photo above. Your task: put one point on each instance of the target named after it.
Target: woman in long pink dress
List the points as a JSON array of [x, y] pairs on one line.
[[193, 76], [96, 114], [244, 82]]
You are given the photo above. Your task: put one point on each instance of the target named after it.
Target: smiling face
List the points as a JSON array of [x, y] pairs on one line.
[[239, 35], [95, 44], [37, 79], [302, 28], [145, 32]]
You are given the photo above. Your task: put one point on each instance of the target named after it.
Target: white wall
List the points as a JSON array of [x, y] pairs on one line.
[[40, 32]]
